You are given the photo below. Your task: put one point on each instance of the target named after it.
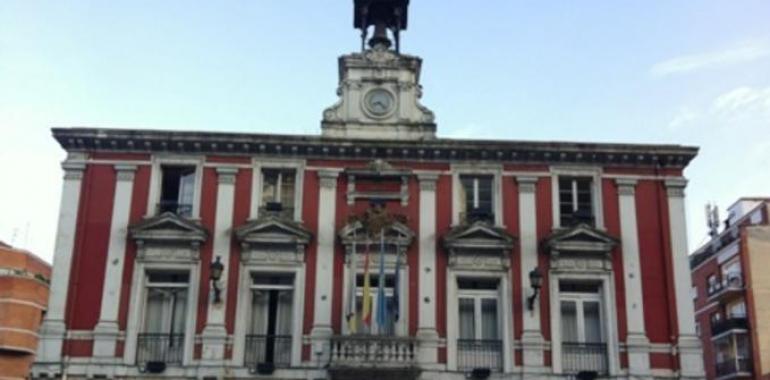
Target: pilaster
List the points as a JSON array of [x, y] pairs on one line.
[[214, 334], [107, 330], [532, 337], [322, 315], [426, 329], [637, 341], [690, 351], [53, 329]]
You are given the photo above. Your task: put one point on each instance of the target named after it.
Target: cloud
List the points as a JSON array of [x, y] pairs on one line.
[[744, 100], [684, 117], [687, 63]]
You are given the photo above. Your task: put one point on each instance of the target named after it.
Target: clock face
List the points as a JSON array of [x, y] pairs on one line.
[[379, 102]]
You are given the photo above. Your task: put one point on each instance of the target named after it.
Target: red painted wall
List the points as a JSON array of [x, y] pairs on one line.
[[139, 199], [443, 223], [208, 209], [544, 210], [310, 220], [611, 206], [511, 221]]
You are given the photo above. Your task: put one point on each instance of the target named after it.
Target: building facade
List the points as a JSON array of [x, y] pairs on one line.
[[374, 249], [730, 289], [23, 297]]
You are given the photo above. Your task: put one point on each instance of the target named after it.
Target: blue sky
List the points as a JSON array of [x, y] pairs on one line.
[[687, 72]]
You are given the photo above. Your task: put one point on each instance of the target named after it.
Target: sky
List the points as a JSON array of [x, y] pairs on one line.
[[684, 72]]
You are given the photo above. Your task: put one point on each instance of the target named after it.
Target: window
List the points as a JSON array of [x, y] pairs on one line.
[[177, 189], [479, 343], [582, 328], [389, 328], [732, 354], [715, 318], [575, 201], [269, 337], [278, 191], [736, 309], [476, 196], [163, 330], [712, 284], [731, 273]]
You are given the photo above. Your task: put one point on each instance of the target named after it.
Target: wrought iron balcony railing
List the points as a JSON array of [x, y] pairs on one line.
[[476, 353], [729, 324], [181, 209], [584, 357], [159, 350], [267, 351], [734, 366], [373, 350]]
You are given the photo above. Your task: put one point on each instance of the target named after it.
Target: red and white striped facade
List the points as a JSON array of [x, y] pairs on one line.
[[632, 253]]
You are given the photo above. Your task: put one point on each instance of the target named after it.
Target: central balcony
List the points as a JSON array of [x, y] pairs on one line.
[[373, 357]]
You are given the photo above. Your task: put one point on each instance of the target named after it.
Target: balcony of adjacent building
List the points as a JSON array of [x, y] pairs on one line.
[[733, 324], [728, 289], [365, 356], [732, 355]]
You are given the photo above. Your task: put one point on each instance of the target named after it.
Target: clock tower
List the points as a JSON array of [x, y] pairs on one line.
[[379, 88]]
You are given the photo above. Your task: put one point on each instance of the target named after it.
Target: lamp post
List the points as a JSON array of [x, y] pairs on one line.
[[215, 275], [536, 282]]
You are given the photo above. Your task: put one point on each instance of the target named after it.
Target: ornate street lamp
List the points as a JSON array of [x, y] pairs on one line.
[[536, 282], [215, 275]]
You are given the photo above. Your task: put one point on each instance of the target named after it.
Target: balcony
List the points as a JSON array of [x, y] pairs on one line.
[[734, 368], [473, 354], [371, 356], [726, 290], [584, 357], [156, 351], [264, 353], [732, 323], [174, 207]]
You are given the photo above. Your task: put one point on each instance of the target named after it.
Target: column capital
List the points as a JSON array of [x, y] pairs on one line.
[[328, 178], [526, 183], [125, 172], [73, 170], [626, 186], [226, 175], [427, 181], [675, 187]]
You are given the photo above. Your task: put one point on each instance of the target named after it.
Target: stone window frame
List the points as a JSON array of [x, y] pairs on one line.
[[596, 195], [156, 181], [496, 170]]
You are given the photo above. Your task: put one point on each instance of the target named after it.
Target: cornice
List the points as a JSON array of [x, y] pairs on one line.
[[317, 147]]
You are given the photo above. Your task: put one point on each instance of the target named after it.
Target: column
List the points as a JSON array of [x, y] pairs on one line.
[[532, 338], [106, 330], [637, 342], [426, 322], [322, 315], [214, 334], [53, 329], [689, 346]]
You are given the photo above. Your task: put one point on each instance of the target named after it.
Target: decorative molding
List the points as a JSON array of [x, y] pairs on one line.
[[328, 178], [73, 170], [675, 187], [526, 183], [226, 175], [314, 146], [427, 181], [626, 186], [125, 172]]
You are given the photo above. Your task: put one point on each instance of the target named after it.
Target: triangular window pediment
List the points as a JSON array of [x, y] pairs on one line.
[[583, 238], [272, 230], [168, 228], [481, 235]]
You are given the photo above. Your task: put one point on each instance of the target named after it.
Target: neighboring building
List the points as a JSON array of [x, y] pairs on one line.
[[196, 254], [23, 298], [731, 278]]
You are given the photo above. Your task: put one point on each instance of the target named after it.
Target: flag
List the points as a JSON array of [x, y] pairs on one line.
[[382, 307], [395, 306], [366, 307], [353, 269]]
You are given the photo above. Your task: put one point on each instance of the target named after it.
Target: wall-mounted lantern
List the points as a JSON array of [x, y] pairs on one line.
[[536, 282], [215, 275]]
